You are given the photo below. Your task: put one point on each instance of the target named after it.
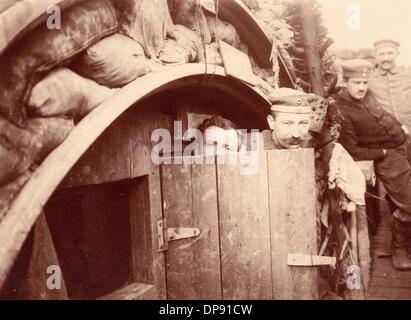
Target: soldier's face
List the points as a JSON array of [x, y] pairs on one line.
[[217, 140], [290, 129], [386, 57], [356, 87]]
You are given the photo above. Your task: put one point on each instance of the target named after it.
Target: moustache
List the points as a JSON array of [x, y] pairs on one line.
[[294, 141]]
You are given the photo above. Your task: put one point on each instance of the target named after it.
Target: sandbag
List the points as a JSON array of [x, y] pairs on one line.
[[9, 191], [5, 4], [63, 92], [186, 47], [41, 50], [46, 134], [146, 21], [110, 67], [225, 31], [20, 148], [191, 15], [13, 162]]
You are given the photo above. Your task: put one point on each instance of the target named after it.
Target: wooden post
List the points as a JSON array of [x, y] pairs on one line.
[[312, 51], [364, 248]]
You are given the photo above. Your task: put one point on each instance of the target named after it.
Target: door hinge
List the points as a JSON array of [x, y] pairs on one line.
[[165, 235]]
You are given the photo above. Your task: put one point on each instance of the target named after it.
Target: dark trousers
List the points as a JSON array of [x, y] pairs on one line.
[[394, 171]]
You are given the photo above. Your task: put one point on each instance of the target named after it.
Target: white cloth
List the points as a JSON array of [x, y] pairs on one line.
[[346, 175]]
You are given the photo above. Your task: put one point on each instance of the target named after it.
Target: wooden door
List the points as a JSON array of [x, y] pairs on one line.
[[190, 201], [231, 258]]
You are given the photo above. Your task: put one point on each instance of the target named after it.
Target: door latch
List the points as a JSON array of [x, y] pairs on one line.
[[165, 235]]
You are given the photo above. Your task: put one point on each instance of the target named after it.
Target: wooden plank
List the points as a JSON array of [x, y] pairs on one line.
[[364, 254], [156, 213], [293, 222], [206, 249], [390, 282], [244, 232], [395, 293], [141, 237], [383, 267], [141, 126], [135, 291], [301, 260], [111, 161], [122, 151], [107, 160], [193, 268], [236, 63]]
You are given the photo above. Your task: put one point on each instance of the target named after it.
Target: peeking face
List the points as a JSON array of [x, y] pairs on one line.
[[356, 87], [386, 57], [290, 129], [218, 140]]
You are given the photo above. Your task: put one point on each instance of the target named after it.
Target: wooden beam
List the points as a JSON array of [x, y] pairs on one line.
[[309, 33], [141, 237]]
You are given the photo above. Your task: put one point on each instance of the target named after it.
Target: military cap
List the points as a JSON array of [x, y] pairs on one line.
[[288, 100], [386, 43], [356, 68]]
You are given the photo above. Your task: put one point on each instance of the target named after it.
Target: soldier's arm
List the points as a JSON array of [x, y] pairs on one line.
[[350, 142]]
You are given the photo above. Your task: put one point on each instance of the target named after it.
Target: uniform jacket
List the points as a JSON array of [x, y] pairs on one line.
[[367, 129], [392, 90]]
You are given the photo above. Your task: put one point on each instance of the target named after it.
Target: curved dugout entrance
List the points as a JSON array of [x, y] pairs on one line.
[[113, 142]]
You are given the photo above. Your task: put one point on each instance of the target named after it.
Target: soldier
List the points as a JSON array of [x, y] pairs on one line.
[[370, 133], [220, 135], [289, 120], [390, 84]]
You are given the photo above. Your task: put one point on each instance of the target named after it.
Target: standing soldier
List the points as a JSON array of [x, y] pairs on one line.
[[390, 84], [370, 133]]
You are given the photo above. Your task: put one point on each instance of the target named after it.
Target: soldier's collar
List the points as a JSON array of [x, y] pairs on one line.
[[393, 70]]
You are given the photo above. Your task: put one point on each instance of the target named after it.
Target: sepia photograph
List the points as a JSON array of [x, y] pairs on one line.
[[205, 150]]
